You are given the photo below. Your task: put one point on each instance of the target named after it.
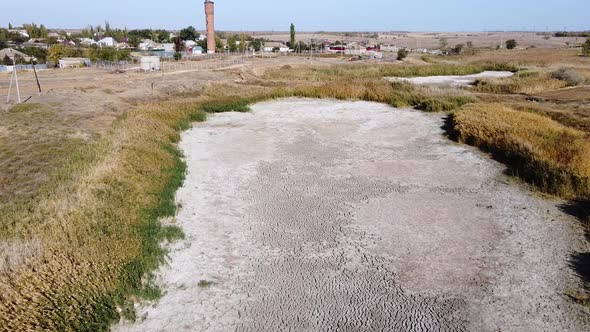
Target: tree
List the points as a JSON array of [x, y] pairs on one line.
[[257, 44], [511, 44], [189, 33], [219, 47], [32, 30], [178, 44], [203, 44], [402, 54], [292, 44], [107, 29], [18, 59], [43, 31], [242, 45], [163, 35], [586, 48], [443, 43], [470, 44], [3, 43], [232, 44], [458, 49], [7, 61], [301, 46], [10, 26], [56, 52]]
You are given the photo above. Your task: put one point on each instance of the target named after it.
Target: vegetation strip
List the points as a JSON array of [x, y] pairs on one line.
[[554, 158]]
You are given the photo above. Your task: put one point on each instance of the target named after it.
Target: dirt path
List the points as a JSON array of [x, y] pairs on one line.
[[312, 215]]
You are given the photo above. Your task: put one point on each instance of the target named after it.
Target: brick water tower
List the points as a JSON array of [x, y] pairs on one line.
[[210, 16]]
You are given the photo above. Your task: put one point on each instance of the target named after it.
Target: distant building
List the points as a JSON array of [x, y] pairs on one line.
[[150, 63], [123, 46], [190, 43], [146, 45], [107, 42], [197, 50], [12, 53], [389, 48], [23, 33], [168, 47], [87, 41], [272, 46], [74, 62]]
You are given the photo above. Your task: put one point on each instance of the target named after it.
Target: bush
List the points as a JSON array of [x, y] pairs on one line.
[[177, 56], [402, 54], [586, 48], [568, 75], [458, 49], [511, 44]]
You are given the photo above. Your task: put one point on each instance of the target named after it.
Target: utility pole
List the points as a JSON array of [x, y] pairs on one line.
[[14, 77], [36, 77]]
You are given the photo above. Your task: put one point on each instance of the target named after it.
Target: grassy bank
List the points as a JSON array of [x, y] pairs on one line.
[[76, 255], [525, 83], [79, 253], [543, 152]]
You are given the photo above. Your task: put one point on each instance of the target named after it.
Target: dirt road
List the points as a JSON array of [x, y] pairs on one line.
[[311, 215]]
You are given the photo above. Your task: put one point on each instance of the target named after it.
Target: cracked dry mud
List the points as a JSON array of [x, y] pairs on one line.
[[322, 215]]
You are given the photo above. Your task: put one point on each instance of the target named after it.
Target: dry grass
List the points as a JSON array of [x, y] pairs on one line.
[[553, 157], [530, 83], [376, 71], [529, 57], [572, 115], [34, 140], [96, 225]]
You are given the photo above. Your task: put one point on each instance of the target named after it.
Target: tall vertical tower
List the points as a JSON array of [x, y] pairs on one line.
[[210, 16]]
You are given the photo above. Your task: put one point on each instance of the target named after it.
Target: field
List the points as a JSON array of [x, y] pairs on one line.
[[90, 167], [431, 40]]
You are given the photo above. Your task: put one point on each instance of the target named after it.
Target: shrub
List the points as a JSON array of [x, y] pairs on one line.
[[528, 83], [177, 56], [511, 44], [402, 54], [458, 49], [586, 48], [568, 75]]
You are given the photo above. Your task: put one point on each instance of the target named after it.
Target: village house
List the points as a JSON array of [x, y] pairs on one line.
[[197, 50], [272, 46], [87, 41], [146, 45], [12, 54], [107, 42]]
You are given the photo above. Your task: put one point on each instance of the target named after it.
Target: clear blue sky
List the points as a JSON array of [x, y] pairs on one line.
[[309, 15]]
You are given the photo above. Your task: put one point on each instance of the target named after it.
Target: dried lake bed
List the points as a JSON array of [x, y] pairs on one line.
[[323, 215]]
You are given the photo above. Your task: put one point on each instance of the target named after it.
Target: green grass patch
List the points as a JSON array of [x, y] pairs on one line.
[[205, 284], [25, 107]]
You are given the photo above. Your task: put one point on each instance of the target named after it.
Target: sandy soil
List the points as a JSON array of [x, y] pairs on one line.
[[319, 215], [452, 80]]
